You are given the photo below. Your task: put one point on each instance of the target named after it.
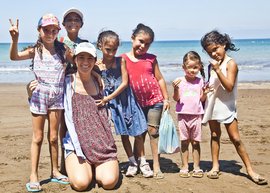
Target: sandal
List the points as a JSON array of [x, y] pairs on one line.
[[197, 173], [184, 173], [33, 187], [213, 174], [259, 180], [158, 175], [62, 179]]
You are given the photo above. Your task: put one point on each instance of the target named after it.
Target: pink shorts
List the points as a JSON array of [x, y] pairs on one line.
[[190, 127]]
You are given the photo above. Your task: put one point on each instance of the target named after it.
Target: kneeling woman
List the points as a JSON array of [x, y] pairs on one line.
[[89, 144]]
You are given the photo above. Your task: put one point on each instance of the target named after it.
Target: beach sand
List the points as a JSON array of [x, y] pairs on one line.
[[254, 125]]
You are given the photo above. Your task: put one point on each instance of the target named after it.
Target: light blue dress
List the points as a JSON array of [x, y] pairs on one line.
[[127, 115]]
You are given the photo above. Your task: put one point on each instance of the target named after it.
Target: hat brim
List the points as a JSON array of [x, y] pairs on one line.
[[47, 24], [72, 10]]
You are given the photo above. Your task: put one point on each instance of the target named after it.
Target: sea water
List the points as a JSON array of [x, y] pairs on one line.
[[253, 59]]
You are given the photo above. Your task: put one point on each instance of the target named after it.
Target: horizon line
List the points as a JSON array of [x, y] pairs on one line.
[[161, 40]]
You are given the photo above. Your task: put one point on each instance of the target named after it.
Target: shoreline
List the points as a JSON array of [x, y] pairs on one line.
[[241, 84]]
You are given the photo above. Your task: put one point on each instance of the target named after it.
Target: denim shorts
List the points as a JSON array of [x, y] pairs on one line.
[[153, 114], [67, 152]]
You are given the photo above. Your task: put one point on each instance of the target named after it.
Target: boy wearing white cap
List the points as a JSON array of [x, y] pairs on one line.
[[73, 22]]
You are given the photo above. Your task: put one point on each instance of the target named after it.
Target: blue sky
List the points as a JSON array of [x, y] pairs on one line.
[[170, 19]]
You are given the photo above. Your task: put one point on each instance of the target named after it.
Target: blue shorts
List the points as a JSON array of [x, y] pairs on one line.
[[67, 152], [153, 114]]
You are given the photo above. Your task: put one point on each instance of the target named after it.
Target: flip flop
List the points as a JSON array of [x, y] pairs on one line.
[[197, 173], [213, 174], [33, 187], [158, 175], [184, 173], [59, 179], [259, 180]]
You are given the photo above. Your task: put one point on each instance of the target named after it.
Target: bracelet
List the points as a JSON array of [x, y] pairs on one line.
[[166, 101]]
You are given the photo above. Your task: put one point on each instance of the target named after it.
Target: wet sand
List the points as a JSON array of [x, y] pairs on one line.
[[254, 125]]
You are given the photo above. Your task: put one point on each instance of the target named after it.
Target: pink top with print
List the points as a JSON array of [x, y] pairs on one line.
[[190, 94], [142, 80]]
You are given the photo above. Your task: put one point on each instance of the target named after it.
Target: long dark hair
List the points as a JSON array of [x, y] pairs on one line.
[[59, 49], [214, 37]]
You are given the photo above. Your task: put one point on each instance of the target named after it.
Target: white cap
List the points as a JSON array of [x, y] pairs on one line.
[[86, 47], [72, 10]]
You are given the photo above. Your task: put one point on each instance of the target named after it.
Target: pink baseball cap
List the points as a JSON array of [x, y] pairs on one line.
[[49, 19]]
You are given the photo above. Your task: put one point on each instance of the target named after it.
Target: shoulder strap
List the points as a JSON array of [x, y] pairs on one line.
[[118, 61], [209, 72]]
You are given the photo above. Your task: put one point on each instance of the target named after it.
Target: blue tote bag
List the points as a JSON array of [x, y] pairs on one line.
[[168, 140]]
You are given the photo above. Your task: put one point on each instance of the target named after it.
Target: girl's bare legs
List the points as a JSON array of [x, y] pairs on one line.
[[234, 135], [127, 145], [138, 152], [196, 153], [184, 151], [215, 144], [107, 174], [79, 172], [62, 134], [139, 146], [152, 131], [37, 138], [54, 117]]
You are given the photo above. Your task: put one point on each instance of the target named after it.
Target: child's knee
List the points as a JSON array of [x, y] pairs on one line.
[[37, 139], [139, 138], [153, 132], [215, 136], [195, 144], [236, 141], [184, 143], [53, 140]]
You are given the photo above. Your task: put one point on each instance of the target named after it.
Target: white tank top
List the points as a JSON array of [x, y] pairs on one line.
[[220, 104]]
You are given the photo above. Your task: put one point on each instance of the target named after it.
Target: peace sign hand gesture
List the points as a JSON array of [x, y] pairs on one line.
[[14, 30]]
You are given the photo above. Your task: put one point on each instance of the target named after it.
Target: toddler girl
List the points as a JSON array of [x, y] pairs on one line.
[[189, 95]]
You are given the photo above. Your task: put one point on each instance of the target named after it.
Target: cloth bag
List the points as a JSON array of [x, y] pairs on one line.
[[168, 140]]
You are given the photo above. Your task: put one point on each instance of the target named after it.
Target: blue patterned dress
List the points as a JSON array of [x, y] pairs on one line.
[[126, 113]]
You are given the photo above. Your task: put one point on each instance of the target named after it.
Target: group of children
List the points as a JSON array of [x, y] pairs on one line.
[[135, 93]]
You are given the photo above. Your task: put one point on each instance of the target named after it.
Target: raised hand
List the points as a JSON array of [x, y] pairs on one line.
[[215, 64], [176, 83], [207, 88], [14, 30]]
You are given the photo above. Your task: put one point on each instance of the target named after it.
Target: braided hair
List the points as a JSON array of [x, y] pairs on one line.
[[194, 56]]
